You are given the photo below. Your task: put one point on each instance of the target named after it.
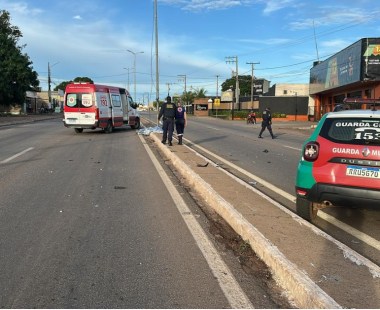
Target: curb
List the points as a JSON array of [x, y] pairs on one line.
[[302, 289]]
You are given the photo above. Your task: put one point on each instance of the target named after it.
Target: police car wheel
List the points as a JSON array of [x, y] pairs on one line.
[[305, 209]]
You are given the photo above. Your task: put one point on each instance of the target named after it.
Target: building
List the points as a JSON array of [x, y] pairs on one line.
[[353, 72], [294, 90]]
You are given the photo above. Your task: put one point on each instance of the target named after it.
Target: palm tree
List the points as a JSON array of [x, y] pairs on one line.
[[188, 97], [200, 93]]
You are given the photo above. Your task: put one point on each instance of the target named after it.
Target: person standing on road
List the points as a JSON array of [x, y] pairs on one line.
[[180, 121], [167, 112], [266, 123]]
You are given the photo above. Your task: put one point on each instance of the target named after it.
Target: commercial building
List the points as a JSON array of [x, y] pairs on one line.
[[353, 72]]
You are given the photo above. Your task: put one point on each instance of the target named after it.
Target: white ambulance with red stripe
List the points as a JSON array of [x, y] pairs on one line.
[[92, 106]]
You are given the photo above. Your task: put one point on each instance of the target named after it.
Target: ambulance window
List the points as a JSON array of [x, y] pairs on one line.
[[79, 100], [71, 100], [131, 103], [116, 101]]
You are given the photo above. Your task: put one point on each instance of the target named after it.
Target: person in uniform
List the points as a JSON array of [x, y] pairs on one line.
[[180, 121], [167, 112], [266, 123]]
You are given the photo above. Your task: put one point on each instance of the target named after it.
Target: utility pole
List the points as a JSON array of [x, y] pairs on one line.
[[217, 85], [156, 46], [184, 77], [252, 64], [168, 85], [234, 59], [185, 92], [49, 82]]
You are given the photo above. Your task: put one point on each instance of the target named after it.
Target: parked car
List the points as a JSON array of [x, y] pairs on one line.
[[340, 163]]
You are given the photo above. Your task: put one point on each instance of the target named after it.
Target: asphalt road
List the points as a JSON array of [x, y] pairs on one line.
[[86, 221]]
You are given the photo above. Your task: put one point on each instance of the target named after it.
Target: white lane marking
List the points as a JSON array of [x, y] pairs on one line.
[[214, 128], [227, 282], [16, 155], [348, 229], [293, 148], [250, 175], [353, 231]]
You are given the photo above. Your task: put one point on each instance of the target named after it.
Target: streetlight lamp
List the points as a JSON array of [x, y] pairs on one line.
[[134, 69]]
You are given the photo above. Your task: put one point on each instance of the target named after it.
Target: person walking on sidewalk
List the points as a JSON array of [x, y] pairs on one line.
[[180, 121], [266, 123], [167, 112]]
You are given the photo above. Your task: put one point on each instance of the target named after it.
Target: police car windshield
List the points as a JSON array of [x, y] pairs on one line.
[[352, 130]]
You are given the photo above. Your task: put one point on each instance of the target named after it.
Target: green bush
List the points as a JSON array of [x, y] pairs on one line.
[[241, 114]]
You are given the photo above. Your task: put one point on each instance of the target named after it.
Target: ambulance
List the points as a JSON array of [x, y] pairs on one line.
[[92, 106]]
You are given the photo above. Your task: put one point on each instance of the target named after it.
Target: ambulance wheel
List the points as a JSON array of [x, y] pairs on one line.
[[78, 130], [137, 124], [109, 127], [306, 209]]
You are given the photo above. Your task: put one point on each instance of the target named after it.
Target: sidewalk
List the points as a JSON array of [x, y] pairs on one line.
[[30, 118], [316, 271]]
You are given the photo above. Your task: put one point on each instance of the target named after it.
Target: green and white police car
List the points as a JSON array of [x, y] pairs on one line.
[[340, 163]]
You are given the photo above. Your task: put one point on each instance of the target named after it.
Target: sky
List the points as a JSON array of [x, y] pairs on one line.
[[198, 40]]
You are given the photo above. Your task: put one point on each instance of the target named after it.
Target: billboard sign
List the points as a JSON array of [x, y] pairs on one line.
[[227, 95], [371, 59], [340, 69]]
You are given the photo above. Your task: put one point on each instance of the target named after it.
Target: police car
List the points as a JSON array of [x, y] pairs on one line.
[[340, 163]]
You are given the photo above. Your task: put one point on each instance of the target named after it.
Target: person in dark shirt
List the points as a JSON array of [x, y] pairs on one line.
[[266, 123], [180, 121], [167, 112]]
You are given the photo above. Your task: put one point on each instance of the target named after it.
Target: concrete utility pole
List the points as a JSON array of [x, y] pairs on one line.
[[217, 85], [49, 80], [156, 47], [184, 77], [234, 59], [168, 85], [252, 64], [185, 92]]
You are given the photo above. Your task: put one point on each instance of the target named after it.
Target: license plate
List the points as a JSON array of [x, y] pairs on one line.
[[364, 172], [71, 120]]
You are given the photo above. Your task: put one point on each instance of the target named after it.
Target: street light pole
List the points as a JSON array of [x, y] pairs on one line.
[[134, 69], [128, 79]]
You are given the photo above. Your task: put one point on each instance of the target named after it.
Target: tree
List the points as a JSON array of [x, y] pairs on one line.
[[16, 71], [188, 97], [200, 93], [78, 79], [244, 84]]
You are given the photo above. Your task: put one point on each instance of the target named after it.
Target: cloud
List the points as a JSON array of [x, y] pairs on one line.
[[21, 8], [206, 5], [77, 17], [327, 16], [276, 5]]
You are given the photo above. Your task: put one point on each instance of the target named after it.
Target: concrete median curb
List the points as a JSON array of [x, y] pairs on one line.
[[301, 288]]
